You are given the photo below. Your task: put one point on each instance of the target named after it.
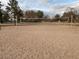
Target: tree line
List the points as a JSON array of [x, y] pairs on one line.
[[13, 13]]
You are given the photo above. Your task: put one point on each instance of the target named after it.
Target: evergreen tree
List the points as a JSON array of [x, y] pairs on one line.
[[13, 8], [40, 14], [1, 12]]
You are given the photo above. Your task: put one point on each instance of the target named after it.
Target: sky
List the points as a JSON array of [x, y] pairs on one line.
[[49, 6]]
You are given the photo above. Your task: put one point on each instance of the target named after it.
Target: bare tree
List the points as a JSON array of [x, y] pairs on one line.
[[71, 15]]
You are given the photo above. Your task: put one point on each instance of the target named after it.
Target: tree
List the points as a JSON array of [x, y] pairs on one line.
[[19, 15], [1, 12], [0, 5], [13, 8], [70, 14], [46, 18], [30, 14], [34, 15], [40, 14], [57, 17], [5, 16]]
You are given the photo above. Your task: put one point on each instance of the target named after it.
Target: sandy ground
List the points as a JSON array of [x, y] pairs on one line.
[[39, 42]]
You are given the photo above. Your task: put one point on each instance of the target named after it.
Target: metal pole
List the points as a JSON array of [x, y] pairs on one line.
[[0, 27], [71, 19], [16, 21]]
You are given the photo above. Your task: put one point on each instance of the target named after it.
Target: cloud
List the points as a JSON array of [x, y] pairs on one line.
[[4, 2], [51, 6], [61, 8]]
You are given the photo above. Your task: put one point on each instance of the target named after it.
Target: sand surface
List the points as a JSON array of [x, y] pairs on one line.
[[39, 42]]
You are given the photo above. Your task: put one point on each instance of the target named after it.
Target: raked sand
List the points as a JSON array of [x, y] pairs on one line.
[[39, 42]]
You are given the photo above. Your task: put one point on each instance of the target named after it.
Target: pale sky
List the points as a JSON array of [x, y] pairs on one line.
[[49, 6]]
